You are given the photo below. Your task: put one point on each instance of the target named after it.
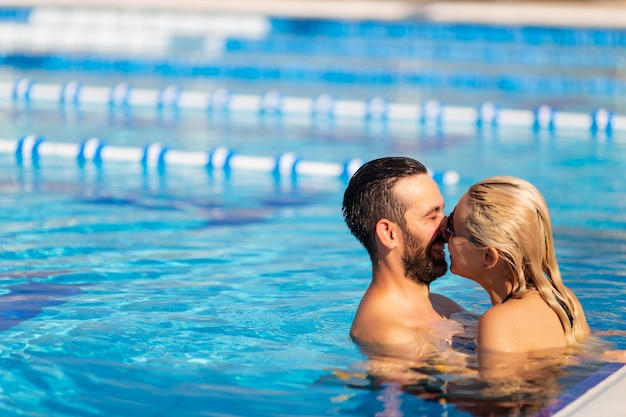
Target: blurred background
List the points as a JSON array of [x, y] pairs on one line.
[[570, 55]]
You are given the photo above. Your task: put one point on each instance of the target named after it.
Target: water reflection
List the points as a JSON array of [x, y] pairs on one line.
[[448, 372]]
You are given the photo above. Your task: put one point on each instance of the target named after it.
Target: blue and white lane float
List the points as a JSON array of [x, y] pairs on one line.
[[288, 165], [432, 112]]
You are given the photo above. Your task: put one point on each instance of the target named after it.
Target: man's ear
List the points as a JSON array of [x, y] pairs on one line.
[[387, 233], [491, 258]]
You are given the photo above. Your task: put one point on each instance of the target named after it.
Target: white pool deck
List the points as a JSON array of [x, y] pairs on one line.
[[602, 394], [581, 13], [604, 399]]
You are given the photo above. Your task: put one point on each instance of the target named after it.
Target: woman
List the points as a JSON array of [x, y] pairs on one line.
[[500, 236]]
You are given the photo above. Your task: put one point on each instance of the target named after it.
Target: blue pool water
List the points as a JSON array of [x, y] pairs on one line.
[[132, 291], [179, 291]]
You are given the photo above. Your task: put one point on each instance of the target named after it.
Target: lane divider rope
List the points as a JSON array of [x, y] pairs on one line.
[[377, 109], [286, 165]]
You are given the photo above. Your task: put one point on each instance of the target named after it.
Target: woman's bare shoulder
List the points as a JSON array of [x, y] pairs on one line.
[[497, 330], [520, 325]]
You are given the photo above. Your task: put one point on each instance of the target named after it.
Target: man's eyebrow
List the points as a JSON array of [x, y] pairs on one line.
[[435, 209]]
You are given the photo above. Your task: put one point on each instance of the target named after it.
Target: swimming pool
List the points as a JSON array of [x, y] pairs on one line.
[[132, 288], [188, 292]]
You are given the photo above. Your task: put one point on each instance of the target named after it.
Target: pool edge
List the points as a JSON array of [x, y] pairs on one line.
[[596, 395]]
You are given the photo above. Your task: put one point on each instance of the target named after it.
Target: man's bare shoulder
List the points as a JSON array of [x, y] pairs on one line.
[[383, 321], [380, 331], [395, 340], [388, 335]]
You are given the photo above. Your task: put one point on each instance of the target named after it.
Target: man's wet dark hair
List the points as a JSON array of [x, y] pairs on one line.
[[369, 197]]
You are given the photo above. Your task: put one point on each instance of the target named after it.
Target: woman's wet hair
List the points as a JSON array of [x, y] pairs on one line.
[[510, 215]]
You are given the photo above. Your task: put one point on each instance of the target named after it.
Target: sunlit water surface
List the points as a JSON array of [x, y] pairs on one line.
[[128, 291]]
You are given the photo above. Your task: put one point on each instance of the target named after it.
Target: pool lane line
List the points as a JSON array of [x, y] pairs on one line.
[[580, 394], [430, 113], [29, 150]]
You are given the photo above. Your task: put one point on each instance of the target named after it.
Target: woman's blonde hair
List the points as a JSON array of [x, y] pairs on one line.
[[510, 215]]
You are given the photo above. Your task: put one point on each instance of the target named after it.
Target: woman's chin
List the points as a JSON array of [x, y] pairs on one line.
[[456, 271]]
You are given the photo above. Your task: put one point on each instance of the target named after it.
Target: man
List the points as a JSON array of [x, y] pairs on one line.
[[395, 209]]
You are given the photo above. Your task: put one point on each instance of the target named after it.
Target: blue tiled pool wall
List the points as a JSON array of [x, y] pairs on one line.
[[392, 54]]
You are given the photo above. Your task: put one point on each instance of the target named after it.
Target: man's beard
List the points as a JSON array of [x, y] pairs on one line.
[[419, 264]]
